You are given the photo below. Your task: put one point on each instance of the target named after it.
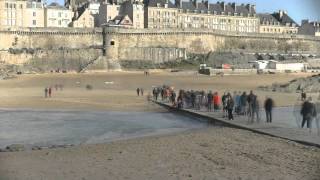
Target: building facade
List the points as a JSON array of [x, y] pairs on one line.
[[160, 14], [57, 16], [108, 10], [277, 23], [84, 20], [204, 15], [21, 13]]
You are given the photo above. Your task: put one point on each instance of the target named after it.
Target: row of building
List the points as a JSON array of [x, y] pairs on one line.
[[152, 14]]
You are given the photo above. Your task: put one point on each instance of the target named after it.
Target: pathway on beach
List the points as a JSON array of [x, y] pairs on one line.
[[285, 124]]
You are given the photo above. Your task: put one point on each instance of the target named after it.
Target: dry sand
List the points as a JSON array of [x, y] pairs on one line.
[[27, 91], [212, 153]]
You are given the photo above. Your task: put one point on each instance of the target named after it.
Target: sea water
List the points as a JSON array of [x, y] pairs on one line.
[[57, 127]]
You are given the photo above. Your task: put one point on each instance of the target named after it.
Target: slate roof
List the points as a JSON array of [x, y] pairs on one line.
[[56, 6], [284, 19], [153, 3], [265, 17]]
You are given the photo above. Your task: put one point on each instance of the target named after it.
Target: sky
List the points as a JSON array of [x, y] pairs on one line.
[[297, 9]]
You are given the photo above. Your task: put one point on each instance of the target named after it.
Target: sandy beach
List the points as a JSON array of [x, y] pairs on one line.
[[210, 153]]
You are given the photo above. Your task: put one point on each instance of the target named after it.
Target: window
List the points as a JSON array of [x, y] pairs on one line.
[[59, 22], [21, 6], [112, 43], [7, 5], [34, 14], [14, 6], [59, 14], [34, 22]]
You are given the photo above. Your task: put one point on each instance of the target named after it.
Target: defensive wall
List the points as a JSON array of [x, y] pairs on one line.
[[74, 48], [50, 48]]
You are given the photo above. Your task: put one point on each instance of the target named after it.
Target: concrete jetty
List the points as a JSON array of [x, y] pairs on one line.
[[274, 129]]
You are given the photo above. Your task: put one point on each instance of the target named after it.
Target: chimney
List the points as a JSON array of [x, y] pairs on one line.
[[207, 4], [195, 3], [248, 6], [178, 3], [234, 6], [253, 8], [223, 5], [281, 13]]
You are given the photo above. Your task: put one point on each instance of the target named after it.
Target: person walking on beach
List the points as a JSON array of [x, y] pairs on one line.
[[230, 105], [138, 91], [46, 92], [308, 112], [50, 91], [268, 106]]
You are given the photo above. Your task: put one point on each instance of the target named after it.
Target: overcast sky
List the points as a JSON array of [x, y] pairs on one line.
[[297, 9]]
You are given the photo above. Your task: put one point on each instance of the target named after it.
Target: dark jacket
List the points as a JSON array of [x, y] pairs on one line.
[[308, 109], [268, 104]]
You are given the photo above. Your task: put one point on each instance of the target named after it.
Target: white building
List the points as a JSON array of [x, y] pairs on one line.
[[21, 13], [57, 16]]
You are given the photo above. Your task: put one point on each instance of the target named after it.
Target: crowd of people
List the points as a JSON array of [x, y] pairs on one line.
[[241, 103]]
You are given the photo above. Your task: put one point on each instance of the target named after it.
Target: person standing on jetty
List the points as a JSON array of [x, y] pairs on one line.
[[216, 101], [256, 109], [308, 112], [250, 101], [229, 106], [243, 103], [46, 92], [268, 106], [138, 91], [210, 98]]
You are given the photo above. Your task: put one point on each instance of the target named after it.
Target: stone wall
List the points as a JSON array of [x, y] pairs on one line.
[[197, 41], [155, 54]]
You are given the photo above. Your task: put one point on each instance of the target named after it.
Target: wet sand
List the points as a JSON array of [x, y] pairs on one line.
[[209, 153]]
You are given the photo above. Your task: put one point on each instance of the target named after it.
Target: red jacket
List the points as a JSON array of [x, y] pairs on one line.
[[216, 100]]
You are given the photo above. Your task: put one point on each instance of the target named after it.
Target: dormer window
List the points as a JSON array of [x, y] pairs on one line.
[[158, 4], [215, 12]]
